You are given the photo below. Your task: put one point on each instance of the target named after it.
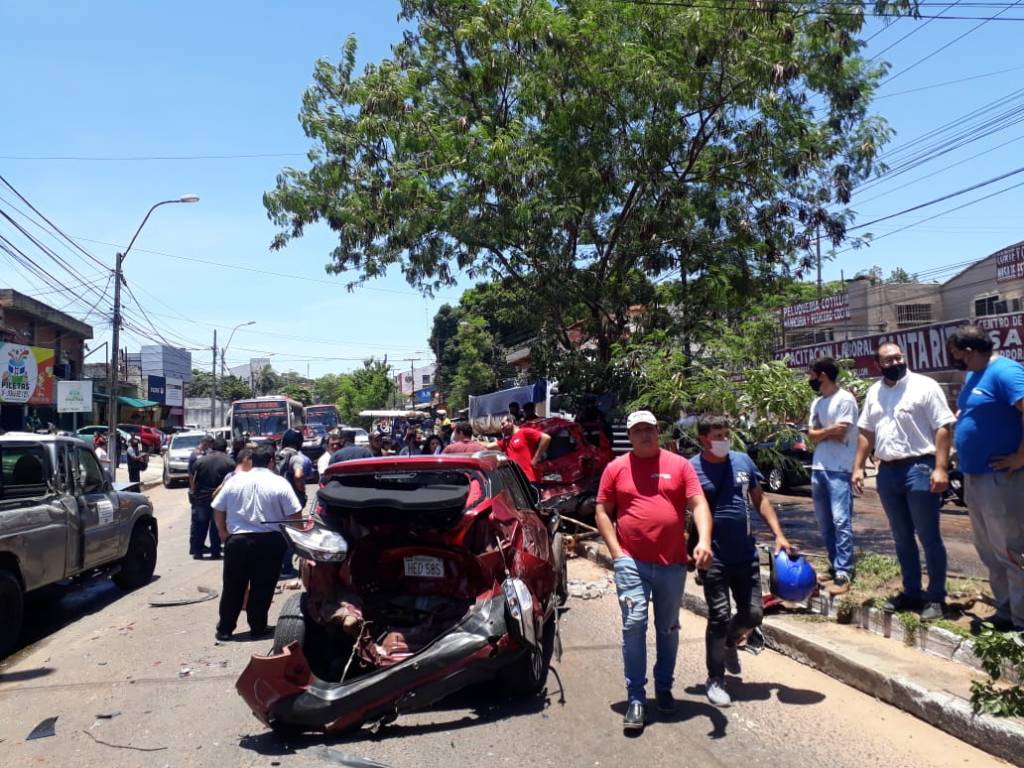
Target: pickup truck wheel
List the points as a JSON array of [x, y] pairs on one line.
[[140, 561], [12, 608], [527, 675]]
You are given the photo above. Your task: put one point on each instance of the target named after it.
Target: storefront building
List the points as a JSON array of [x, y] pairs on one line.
[[39, 345]]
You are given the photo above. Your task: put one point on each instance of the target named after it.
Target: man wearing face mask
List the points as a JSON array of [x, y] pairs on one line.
[[731, 484], [990, 446], [907, 423], [832, 428]]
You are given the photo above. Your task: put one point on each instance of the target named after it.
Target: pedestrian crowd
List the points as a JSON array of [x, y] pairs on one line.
[[647, 497]]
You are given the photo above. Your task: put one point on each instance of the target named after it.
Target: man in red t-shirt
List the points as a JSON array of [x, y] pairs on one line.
[[641, 514], [524, 445]]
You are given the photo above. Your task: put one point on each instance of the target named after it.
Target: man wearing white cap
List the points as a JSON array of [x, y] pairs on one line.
[[641, 514]]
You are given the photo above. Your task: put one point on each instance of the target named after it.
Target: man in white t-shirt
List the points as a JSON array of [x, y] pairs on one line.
[[908, 424], [832, 428]]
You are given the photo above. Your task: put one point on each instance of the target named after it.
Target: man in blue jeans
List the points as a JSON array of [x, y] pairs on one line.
[[990, 444], [641, 514], [832, 428], [906, 422]]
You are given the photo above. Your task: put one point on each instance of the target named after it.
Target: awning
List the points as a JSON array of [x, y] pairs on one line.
[[134, 402]]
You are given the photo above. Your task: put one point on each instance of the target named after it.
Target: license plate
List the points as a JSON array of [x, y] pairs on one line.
[[424, 567]]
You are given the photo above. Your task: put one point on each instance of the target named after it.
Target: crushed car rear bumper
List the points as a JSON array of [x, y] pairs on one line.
[[282, 690]]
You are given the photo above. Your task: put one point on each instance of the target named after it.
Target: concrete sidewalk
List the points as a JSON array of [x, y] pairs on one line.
[[931, 688]]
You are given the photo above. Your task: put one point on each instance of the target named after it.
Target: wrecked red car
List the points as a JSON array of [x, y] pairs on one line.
[[571, 471], [422, 575]]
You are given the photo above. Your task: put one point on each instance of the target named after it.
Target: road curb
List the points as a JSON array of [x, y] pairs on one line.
[[1001, 737]]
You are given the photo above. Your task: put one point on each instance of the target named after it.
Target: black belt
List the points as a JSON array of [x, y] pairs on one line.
[[907, 460]]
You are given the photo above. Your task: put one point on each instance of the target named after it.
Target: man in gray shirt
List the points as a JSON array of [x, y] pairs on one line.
[[832, 427]]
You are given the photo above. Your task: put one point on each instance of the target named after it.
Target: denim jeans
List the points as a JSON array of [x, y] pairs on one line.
[[743, 581], [995, 503], [912, 508], [203, 524], [833, 507], [639, 584]]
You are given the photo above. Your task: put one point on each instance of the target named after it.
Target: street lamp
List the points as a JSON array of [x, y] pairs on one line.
[[115, 340], [223, 365]]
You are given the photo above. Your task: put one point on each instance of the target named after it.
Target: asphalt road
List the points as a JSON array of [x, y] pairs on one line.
[[871, 532], [167, 686]]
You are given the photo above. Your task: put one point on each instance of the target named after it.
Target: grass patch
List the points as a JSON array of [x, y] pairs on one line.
[[951, 626], [911, 626], [813, 618], [958, 587], [872, 566]]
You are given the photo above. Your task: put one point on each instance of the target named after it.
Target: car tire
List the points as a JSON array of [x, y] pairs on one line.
[[527, 675], [559, 558], [139, 562], [167, 478], [776, 480], [291, 623], [12, 610], [293, 626]]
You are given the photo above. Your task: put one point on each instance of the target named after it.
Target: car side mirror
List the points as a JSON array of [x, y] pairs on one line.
[[535, 495]]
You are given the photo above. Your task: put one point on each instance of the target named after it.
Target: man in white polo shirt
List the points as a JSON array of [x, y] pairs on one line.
[[246, 509], [907, 422]]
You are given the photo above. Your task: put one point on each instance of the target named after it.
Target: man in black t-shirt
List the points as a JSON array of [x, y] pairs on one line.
[[349, 450], [206, 477]]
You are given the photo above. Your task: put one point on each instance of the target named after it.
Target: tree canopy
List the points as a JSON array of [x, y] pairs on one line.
[[572, 148], [228, 387]]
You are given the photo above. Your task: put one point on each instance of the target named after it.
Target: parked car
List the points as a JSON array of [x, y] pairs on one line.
[[784, 459], [176, 458], [89, 434], [422, 575], [150, 437], [572, 467], [62, 518]]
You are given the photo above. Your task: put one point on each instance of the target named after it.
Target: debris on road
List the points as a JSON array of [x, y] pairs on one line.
[[587, 590], [107, 715], [184, 672], [347, 760], [46, 728], [206, 593], [293, 584], [123, 746]]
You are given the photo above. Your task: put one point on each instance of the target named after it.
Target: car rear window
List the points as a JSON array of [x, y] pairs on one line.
[[405, 483], [23, 471], [185, 441]]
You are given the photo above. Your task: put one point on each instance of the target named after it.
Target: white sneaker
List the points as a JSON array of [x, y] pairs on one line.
[[716, 693]]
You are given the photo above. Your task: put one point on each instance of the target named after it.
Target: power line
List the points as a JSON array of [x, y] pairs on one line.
[[153, 158], [949, 82], [753, 6]]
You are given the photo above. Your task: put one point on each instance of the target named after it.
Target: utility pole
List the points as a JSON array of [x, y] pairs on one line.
[[412, 378], [114, 351], [213, 389], [818, 247]]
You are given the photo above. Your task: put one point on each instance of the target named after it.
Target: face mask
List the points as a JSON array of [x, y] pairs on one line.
[[720, 448], [895, 372], [815, 384]]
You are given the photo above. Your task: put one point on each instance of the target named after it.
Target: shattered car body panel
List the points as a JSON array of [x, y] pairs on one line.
[[572, 468], [449, 580]]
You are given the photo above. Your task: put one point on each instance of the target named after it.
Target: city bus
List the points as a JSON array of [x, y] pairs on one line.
[[325, 416], [265, 418]]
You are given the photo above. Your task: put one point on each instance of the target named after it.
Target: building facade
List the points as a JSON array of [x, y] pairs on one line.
[[39, 346]]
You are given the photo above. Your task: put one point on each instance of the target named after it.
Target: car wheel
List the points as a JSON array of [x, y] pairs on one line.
[[12, 606], [559, 559], [291, 624], [776, 480], [140, 561], [167, 478], [527, 675]]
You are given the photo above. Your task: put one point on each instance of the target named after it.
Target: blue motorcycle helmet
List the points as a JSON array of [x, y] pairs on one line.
[[793, 578]]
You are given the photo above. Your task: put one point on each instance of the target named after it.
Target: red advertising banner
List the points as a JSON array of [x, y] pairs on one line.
[[924, 346], [1010, 263], [830, 309]]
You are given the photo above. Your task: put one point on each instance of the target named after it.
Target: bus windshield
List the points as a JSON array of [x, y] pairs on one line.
[[326, 416], [271, 421]]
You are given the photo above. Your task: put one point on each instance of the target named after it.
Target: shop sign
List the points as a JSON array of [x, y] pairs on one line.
[[26, 374], [824, 311], [74, 397]]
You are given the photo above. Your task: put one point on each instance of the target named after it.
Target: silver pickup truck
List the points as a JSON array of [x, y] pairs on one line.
[[61, 518]]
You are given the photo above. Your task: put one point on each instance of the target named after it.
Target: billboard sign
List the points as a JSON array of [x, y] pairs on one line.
[[26, 375], [924, 346], [824, 311], [74, 396], [157, 389], [1010, 263], [174, 394]]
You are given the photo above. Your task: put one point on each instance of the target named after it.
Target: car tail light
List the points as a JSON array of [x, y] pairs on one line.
[[800, 446]]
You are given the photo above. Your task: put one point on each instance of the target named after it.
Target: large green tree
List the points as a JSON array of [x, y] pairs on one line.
[[366, 388], [570, 146], [228, 387]]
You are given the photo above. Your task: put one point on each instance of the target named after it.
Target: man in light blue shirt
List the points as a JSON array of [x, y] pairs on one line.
[[832, 427], [990, 447]]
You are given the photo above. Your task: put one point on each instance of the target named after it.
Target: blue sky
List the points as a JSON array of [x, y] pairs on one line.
[[130, 79]]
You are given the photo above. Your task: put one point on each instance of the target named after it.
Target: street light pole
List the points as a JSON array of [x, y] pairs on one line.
[[115, 335], [223, 358]]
